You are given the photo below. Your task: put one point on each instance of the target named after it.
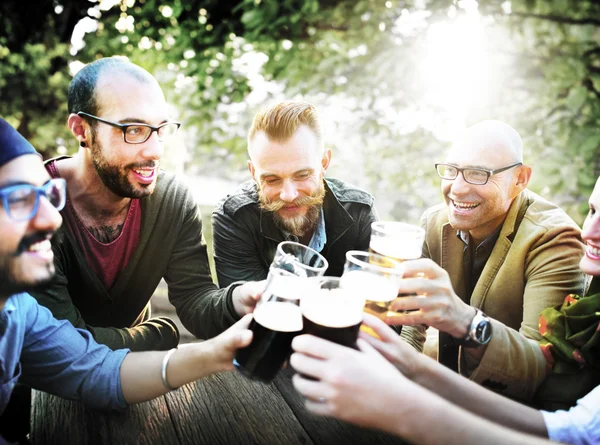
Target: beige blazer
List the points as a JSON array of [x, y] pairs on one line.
[[534, 265]]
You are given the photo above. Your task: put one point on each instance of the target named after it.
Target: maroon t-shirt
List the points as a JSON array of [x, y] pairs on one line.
[[106, 260]]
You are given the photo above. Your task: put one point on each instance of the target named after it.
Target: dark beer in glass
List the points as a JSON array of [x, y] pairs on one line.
[[333, 312], [277, 320]]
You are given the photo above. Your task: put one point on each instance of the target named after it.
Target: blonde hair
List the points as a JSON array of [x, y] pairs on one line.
[[281, 121]]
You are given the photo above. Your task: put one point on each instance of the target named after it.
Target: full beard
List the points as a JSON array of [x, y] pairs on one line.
[[296, 225], [115, 178]]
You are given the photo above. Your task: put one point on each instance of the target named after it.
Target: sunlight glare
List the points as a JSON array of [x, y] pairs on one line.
[[455, 65]]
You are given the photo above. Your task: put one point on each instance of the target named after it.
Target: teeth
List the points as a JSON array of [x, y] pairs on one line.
[[42, 245], [593, 250], [144, 173], [461, 205]]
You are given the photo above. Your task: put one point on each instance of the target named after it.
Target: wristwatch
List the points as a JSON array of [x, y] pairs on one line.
[[479, 333]]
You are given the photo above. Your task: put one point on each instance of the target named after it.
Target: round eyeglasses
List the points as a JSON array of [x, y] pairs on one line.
[[22, 201]]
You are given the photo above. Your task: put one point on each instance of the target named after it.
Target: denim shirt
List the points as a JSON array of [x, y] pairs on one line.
[[53, 356]]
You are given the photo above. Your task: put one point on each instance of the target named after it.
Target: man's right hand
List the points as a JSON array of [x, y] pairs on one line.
[[397, 351], [246, 296], [435, 303]]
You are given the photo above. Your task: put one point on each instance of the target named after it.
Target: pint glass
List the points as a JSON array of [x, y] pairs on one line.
[[277, 320], [374, 276], [299, 259], [396, 240], [333, 312]]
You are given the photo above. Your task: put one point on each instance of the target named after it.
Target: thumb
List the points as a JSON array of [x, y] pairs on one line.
[[243, 338]]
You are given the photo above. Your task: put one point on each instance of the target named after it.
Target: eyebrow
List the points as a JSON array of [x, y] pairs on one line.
[[135, 120], [18, 182], [297, 172], [481, 167]]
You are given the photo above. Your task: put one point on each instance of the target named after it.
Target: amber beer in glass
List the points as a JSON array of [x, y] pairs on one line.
[[397, 241], [277, 320], [376, 277]]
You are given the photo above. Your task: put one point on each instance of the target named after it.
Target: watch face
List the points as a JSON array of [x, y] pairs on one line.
[[483, 331]]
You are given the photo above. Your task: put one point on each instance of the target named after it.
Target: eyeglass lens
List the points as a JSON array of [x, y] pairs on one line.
[[473, 176], [140, 133], [24, 201]]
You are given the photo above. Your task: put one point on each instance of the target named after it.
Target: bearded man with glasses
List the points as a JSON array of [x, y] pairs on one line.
[[39, 351], [128, 224], [498, 254]]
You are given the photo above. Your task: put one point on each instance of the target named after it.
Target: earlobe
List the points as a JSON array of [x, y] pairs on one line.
[[326, 159], [524, 176], [77, 127]]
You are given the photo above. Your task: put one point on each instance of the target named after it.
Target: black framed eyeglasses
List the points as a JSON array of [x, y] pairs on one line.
[[137, 133], [22, 201], [475, 176]]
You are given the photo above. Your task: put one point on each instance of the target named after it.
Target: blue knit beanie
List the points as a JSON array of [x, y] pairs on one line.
[[12, 144]]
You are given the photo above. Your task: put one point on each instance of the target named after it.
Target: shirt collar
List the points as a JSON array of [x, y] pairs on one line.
[[319, 238], [489, 241]]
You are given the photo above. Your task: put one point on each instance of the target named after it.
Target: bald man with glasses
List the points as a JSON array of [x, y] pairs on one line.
[[497, 255], [127, 223]]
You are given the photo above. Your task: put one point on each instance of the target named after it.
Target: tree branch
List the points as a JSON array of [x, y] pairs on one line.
[[558, 18]]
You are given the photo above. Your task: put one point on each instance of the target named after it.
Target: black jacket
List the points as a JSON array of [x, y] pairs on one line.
[[245, 237]]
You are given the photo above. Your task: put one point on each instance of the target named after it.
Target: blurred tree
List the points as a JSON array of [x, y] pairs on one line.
[[358, 60]]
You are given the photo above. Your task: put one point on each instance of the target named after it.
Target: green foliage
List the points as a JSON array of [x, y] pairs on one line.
[[354, 53]]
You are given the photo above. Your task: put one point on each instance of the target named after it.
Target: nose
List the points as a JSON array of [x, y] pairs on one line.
[[47, 218], [459, 185], [288, 191], [591, 227], [153, 148]]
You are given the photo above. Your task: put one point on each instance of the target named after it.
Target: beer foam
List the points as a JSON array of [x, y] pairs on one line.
[[397, 247], [334, 308], [279, 316], [291, 287], [370, 286]]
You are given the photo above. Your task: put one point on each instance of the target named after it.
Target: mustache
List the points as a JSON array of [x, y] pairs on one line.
[[303, 201], [151, 164], [29, 240]]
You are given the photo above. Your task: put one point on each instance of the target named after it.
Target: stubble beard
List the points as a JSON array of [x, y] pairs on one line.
[[115, 178]]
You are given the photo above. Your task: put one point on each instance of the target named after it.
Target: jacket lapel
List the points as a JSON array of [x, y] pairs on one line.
[[510, 226], [452, 259]]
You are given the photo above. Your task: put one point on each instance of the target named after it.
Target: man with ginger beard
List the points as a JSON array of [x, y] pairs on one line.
[[289, 199]]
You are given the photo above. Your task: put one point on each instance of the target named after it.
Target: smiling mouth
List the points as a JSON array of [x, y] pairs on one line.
[[40, 246], [144, 173], [592, 252], [464, 205]]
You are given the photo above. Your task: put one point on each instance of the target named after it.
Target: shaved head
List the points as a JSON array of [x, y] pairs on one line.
[[498, 142], [480, 209]]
